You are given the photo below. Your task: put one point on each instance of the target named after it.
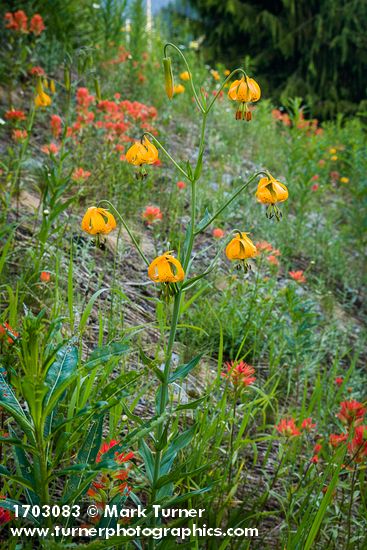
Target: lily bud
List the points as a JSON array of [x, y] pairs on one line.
[[97, 88], [67, 78], [39, 86], [168, 76]]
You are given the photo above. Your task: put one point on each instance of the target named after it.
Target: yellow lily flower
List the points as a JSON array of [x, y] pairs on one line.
[[240, 248], [42, 100], [166, 269], [244, 91], [142, 153], [271, 191], [98, 221]]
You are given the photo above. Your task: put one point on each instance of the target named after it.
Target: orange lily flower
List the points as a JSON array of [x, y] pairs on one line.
[[240, 248], [271, 191], [244, 91], [142, 153], [98, 221], [42, 100], [166, 269]]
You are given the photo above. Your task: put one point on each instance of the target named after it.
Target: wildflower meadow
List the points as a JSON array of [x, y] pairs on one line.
[[182, 289]]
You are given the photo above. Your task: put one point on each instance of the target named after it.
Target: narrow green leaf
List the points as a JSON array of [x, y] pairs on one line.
[[9, 402], [89, 307], [147, 456], [5, 252], [178, 443], [184, 370], [150, 363], [202, 223]]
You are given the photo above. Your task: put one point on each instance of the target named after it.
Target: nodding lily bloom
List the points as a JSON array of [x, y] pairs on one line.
[[288, 428], [298, 276], [244, 91], [152, 214], [308, 425], [271, 191], [178, 89], [239, 373], [185, 75], [240, 248], [166, 269], [142, 153], [42, 99], [351, 412], [98, 221]]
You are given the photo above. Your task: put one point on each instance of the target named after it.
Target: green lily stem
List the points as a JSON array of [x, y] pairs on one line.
[[158, 143], [42, 458], [227, 203], [16, 183], [169, 44], [176, 308], [136, 244], [222, 86], [64, 133], [164, 395], [193, 196]]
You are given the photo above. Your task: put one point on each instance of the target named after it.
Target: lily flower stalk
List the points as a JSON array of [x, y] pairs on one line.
[[173, 273]]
